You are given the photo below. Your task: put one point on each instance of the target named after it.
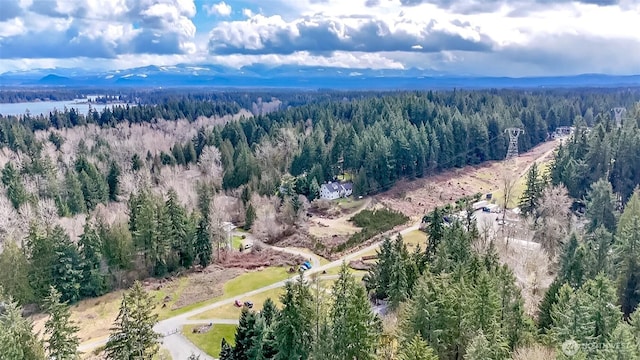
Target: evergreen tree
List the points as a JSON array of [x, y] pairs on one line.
[[136, 163], [113, 181], [572, 263], [258, 334], [377, 279], [435, 231], [190, 153], [17, 340], [132, 336], [12, 180], [74, 197], [66, 267], [203, 245], [62, 342], [249, 217], [533, 191], [626, 251], [93, 280], [417, 349], [623, 345], [178, 154], [226, 351], [178, 232], [479, 349], [548, 301], [398, 289], [354, 332], [244, 338], [269, 345], [269, 312], [601, 206], [41, 258], [14, 273], [293, 329]]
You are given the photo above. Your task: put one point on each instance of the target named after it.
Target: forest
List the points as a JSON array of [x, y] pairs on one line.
[[119, 177]]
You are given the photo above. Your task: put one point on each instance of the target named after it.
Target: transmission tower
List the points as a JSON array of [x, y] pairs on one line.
[[618, 112], [512, 152]]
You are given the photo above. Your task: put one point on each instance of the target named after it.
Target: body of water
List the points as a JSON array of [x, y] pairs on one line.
[[44, 107]]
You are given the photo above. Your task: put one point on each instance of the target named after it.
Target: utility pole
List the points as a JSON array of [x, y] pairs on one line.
[[512, 151]]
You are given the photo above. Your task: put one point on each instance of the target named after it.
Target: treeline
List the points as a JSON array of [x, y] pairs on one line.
[[31, 95], [160, 237], [602, 151], [594, 298]]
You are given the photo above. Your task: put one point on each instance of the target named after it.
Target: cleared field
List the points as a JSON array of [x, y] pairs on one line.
[[412, 239], [241, 284], [231, 311], [210, 341], [96, 316], [418, 197]]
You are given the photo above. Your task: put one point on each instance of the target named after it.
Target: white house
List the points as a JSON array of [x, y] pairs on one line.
[[335, 190]]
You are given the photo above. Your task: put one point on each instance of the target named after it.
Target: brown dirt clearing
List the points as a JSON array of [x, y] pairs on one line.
[[418, 197]]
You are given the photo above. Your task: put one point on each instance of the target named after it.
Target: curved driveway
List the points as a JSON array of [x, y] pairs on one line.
[[181, 348]]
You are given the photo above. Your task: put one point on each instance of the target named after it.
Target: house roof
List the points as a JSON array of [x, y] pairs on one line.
[[336, 187]]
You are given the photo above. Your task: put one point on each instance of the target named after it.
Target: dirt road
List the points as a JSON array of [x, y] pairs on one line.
[[181, 348]]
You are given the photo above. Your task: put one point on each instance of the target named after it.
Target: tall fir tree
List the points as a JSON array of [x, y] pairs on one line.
[[244, 338], [532, 192], [203, 247], [293, 329], [113, 181], [67, 265], [416, 349], [132, 337], [249, 217], [60, 331], [93, 280], [226, 350], [17, 339]]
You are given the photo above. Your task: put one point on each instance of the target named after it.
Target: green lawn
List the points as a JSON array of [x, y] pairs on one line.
[[236, 242], [246, 282], [231, 311], [210, 341], [350, 204]]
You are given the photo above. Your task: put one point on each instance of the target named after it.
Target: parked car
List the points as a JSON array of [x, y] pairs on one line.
[[238, 303], [248, 304], [305, 266]]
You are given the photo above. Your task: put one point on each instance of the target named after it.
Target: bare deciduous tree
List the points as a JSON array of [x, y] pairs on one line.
[[47, 212], [507, 184], [211, 165], [555, 219], [218, 216]]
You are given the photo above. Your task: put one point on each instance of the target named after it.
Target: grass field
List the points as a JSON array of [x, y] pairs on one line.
[[236, 242], [241, 284], [233, 312], [210, 341], [412, 239]]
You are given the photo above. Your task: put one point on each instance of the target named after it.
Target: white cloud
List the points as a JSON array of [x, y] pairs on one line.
[[221, 9], [98, 28], [493, 37]]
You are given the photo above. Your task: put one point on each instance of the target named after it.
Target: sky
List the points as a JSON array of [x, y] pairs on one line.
[[471, 37]]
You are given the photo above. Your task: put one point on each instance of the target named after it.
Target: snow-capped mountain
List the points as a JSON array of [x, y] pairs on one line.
[[289, 76]]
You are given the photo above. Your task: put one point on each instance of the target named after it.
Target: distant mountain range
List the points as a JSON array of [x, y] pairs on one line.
[[290, 76]]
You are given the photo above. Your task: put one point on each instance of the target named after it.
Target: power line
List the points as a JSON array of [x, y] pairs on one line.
[[512, 152]]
